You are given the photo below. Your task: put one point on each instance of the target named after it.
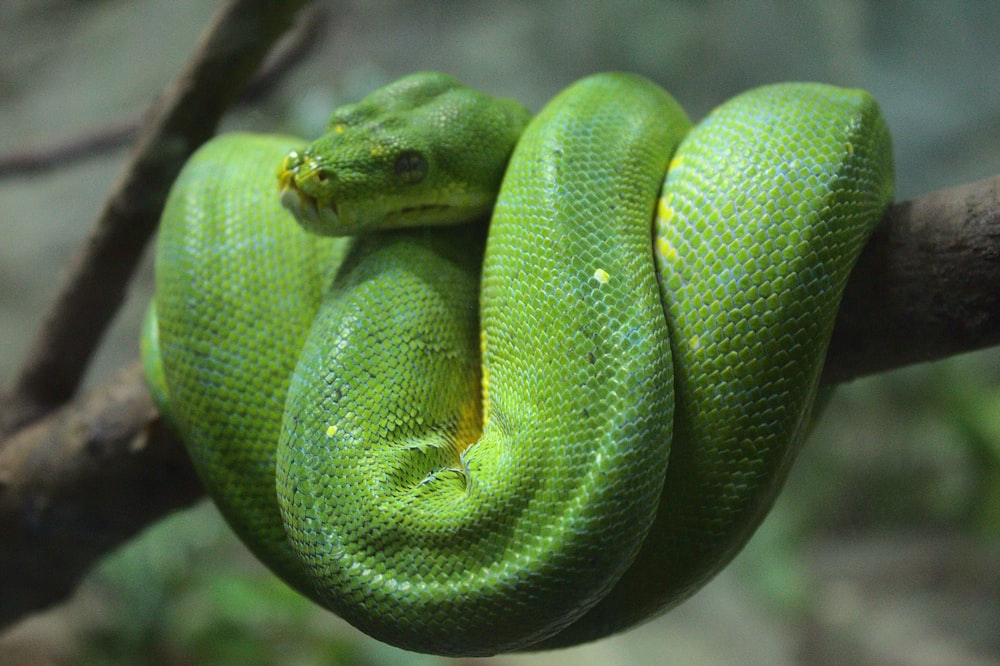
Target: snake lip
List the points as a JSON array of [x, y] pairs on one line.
[[423, 208], [303, 206]]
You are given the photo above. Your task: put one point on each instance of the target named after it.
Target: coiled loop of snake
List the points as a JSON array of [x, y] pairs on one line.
[[555, 448]]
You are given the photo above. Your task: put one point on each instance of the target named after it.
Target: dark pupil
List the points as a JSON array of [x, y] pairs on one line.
[[411, 167]]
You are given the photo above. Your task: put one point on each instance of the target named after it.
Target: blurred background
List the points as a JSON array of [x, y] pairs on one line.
[[884, 547]]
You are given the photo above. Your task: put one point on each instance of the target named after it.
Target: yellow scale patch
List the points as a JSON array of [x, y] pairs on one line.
[[601, 276], [667, 250], [665, 213], [469, 428], [485, 379]]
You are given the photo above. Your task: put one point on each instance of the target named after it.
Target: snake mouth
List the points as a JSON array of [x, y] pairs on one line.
[[304, 206]]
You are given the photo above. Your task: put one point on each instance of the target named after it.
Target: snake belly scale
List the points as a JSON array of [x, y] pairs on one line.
[[471, 439]]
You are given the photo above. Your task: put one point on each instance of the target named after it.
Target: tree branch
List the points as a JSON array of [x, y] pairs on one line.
[[23, 164], [99, 141], [80, 482], [89, 476], [927, 285], [183, 118]]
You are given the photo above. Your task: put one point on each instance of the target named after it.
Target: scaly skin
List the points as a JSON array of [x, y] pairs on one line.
[[553, 449]]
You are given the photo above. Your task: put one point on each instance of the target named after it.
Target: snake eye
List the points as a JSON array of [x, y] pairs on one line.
[[411, 167]]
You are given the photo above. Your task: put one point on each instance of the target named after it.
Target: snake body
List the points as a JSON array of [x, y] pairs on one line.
[[468, 455]]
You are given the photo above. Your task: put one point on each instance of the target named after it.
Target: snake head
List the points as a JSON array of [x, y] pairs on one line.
[[424, 150]]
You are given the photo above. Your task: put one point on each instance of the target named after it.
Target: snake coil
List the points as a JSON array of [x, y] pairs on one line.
[[467, 442]]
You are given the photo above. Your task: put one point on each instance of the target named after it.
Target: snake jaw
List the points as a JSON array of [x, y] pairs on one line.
[[295, 169], [304, 207]]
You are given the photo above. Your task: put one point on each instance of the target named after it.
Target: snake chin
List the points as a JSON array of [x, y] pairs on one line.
[[307, 210]]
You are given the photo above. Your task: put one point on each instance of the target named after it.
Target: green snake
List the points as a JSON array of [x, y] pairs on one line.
[[522, 431]]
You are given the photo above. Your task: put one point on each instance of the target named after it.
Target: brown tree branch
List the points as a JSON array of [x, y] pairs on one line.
[[927, 285], [87, 477], [181, 120], [80, 482]]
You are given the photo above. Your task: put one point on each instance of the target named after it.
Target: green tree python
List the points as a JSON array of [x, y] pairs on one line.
[[556, 378]]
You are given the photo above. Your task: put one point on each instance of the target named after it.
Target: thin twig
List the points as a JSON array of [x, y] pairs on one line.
[[71, 151], [183, 118], [95, 142], [310, 27]]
